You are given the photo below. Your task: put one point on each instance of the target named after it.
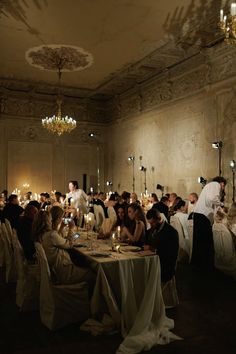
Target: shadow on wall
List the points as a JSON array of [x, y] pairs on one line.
[[18, 9], [196, 25]]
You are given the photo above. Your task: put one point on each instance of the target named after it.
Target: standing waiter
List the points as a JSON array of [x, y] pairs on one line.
[[208, 203]]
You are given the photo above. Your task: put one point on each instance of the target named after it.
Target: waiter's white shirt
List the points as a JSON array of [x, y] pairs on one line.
[[209, 200], [80, 199]]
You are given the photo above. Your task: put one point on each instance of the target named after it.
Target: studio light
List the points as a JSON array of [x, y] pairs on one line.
[[217, 144], [109, 183], [202, 181], [131, 158], [142, 168], [91, 135], [232, 164]]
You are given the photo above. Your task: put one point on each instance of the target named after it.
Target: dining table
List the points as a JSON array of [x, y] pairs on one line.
[[127, 296]]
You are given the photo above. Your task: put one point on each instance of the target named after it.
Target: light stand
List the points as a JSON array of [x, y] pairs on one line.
[[132, 158], [93, 135], [144, 169], [218, 145], [232, 165]]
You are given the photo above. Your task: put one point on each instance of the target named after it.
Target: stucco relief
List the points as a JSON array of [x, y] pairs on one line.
[[191, 82], [224, 67]]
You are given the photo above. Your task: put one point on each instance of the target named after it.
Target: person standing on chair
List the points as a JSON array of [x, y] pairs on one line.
[[208, 203]]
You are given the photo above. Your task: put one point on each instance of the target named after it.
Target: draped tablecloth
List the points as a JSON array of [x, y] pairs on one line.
[[128, 296]]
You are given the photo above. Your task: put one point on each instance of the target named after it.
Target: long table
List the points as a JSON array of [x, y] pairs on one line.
[[127, 296]]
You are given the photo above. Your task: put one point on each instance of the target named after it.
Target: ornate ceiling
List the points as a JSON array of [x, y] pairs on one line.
[[130, 41]]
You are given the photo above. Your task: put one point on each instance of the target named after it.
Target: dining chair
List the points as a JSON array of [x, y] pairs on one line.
[[9, 255], [2, 248], [99, 215], [60, 304], [28, 279]]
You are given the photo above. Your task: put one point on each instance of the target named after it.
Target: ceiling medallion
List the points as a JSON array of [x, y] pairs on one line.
[[50, 57]]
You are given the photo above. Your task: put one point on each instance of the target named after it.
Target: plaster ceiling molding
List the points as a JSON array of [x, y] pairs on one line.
[[52, 57]]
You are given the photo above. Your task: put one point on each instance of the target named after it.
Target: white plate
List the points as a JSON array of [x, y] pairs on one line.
[[130, 249]]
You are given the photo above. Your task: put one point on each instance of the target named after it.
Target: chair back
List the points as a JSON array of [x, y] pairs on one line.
[[2, 248], [223, 244], [9, 255], [99, 215], [62, 304], [27, 286], [183, 246]]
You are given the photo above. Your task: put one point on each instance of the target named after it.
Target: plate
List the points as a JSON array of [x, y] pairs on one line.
[[130, 249], [99, 254]]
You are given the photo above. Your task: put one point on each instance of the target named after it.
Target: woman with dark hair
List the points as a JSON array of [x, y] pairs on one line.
[[47, 228], [78, 198], [135, 233]]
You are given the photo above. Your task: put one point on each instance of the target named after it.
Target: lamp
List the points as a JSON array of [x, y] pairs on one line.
[[218, 145], [232, 164], [57, 124], [144, 170], [109, 183], [202, 181], [132, 159], [228, 24], [94, 136]]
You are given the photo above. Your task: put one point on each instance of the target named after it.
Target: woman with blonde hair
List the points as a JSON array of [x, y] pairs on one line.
[[47, 229]]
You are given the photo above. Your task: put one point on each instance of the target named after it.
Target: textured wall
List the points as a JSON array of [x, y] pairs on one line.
[[174, 131]]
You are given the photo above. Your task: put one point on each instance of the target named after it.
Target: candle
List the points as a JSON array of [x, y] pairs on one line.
[[118, 232], [221, 15]]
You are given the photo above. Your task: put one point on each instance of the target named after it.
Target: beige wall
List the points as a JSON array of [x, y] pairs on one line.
[[175, 143], [29, 154]]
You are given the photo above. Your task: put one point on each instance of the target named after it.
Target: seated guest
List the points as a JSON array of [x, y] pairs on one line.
[[162, 238], [135, 232], [154, 199], [98, 201], [172, 206], [111, 213], [47, 228], [162, 206], [134, 198], [192, 198], [12, 211], [182, 216], [44, 200], [24, 230], [57, 200], [35, 203], [125, 198]]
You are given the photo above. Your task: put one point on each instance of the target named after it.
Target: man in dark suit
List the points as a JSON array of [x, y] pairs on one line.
[[12, 210], [163, 238]]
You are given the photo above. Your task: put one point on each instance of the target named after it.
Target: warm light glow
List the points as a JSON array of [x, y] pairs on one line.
[[228, 24]]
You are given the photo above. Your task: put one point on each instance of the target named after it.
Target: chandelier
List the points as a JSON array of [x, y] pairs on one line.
[[228, 24], [57, 124]]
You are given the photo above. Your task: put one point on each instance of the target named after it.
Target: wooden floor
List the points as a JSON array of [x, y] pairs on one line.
[[205, 319]]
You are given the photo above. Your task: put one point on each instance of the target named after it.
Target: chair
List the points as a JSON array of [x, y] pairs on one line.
[[225, 254], [99, 215], [169, 293], [2, 249], [9, 255], [60, 304], [183, 243], [28, 279]]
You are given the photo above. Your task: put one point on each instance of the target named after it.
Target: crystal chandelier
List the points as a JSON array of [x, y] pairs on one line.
[[228, 24], [58, 124]]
